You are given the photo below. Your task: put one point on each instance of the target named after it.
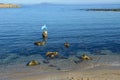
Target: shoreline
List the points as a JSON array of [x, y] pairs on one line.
[[102, 67], [76, 75], [88, 74]]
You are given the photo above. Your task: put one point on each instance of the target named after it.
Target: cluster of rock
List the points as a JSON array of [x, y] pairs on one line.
[[52, 55], [49, 54]]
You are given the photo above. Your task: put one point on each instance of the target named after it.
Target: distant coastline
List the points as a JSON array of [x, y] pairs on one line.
[[2, 5], [115, 10]]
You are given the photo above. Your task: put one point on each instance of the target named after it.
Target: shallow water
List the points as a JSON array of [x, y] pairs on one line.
[[86, 31]]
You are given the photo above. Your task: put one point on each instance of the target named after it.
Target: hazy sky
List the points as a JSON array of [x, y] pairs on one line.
[[60, 1]]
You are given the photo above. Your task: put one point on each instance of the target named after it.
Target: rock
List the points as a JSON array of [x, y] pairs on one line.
[[85, 57], [40, 43], [33, 63], [77, 61], [52, 54], [66, 45]]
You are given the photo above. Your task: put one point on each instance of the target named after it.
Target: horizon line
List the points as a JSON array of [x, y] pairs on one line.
[[59, 3]]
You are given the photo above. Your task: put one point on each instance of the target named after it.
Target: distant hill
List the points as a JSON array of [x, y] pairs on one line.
[[50, 4], [9, 5]]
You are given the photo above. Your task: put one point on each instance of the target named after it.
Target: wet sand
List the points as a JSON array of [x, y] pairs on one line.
[[84, 75], [102, 67]]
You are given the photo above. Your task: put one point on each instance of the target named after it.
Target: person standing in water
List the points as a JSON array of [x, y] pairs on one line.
[[44, 32]]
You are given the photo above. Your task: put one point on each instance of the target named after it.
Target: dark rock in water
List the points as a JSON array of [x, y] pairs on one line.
[[33, 63], [52, 54], [51, 65], [66, 45], [77, 62], [46, 61], [40, 43], [85, 57], [58, 68]]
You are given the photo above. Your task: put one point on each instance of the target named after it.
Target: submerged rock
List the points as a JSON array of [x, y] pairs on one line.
[[51, 65], [46, 61], [40, 43], [77, 61], [33, 63], [52, 54]]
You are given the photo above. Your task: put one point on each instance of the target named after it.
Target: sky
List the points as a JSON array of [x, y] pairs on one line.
[[62, 1]]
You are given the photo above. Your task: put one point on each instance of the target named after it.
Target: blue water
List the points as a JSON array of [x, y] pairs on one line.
[[85, 30]]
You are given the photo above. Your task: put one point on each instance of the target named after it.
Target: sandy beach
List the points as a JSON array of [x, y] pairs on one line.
[[102, 67], [76, 75]]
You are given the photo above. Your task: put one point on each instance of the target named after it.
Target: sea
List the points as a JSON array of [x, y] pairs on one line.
[[87, 32]]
